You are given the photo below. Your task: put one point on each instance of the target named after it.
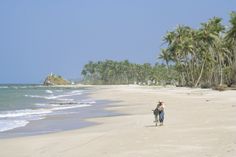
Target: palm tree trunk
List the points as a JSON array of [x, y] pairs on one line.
[[221, 73], [199, 78]]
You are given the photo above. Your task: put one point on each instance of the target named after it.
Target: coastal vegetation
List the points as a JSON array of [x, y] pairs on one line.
[[124, 72], [203, 57]]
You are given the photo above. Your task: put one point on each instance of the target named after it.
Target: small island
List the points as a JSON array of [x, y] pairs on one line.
[[53, 79]]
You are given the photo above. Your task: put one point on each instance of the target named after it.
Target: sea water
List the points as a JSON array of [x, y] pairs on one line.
[[21, 105]]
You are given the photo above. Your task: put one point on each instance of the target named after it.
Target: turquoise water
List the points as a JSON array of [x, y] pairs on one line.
[[23, 104]]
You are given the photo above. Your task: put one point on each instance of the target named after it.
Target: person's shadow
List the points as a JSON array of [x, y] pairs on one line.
[[151, 126]]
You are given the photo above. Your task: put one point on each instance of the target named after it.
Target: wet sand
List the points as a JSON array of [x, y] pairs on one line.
[[198, 123]]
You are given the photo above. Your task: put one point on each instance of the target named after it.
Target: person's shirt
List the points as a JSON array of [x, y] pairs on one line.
[[161, 107]]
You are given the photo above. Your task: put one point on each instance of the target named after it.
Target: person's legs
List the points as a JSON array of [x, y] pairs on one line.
[[156, 117], [161, 117]]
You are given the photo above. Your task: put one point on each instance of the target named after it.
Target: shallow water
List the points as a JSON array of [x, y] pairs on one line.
[[36, 109]]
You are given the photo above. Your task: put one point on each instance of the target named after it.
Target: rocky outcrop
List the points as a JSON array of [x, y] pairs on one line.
[[53, 79]]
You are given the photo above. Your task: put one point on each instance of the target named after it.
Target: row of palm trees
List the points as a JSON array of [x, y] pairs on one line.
[[124, 72], [204, 56]]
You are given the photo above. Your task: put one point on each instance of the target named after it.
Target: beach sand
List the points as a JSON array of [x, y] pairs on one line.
[[198, 123]]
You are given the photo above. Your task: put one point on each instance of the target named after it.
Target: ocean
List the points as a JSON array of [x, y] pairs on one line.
[[36, 109]]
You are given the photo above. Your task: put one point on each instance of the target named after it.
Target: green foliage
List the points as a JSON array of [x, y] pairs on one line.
[[124, 72], [203, 57]]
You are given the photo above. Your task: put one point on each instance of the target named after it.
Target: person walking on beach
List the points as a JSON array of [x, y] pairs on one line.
[[161, 108], [159, 112]]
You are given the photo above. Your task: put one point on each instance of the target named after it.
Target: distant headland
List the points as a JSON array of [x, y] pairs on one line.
[[53, 79]]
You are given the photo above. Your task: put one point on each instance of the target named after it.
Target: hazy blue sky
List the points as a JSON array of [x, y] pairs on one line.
[[42, 36]]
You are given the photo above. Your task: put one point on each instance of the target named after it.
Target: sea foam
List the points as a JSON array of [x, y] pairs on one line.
[[12, 124], [73, 93], [49, 91], [12, 119], [21, 113]]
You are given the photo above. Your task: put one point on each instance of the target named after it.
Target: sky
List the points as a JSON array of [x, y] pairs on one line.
[[38, 37]]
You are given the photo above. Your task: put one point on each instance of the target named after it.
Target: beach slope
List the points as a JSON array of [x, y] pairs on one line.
[[198, 123]]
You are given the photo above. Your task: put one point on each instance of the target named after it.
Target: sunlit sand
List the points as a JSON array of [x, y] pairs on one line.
[[198, 123]]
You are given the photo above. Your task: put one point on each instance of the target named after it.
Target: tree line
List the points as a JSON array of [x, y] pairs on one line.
[[124, 72], [204, 56]]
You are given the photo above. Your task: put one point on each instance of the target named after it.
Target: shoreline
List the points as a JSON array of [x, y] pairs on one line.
[[63, 120], [193, 126]]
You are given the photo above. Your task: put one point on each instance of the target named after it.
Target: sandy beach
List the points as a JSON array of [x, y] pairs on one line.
[[198, 123]]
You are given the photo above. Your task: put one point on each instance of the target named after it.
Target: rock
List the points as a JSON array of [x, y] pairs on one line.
[[53, 79]]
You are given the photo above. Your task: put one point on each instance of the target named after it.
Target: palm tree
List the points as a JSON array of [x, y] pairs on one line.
[[210, 41], [166, 56], [231, 33], [180, 51], [231, 39], [195, 52]]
